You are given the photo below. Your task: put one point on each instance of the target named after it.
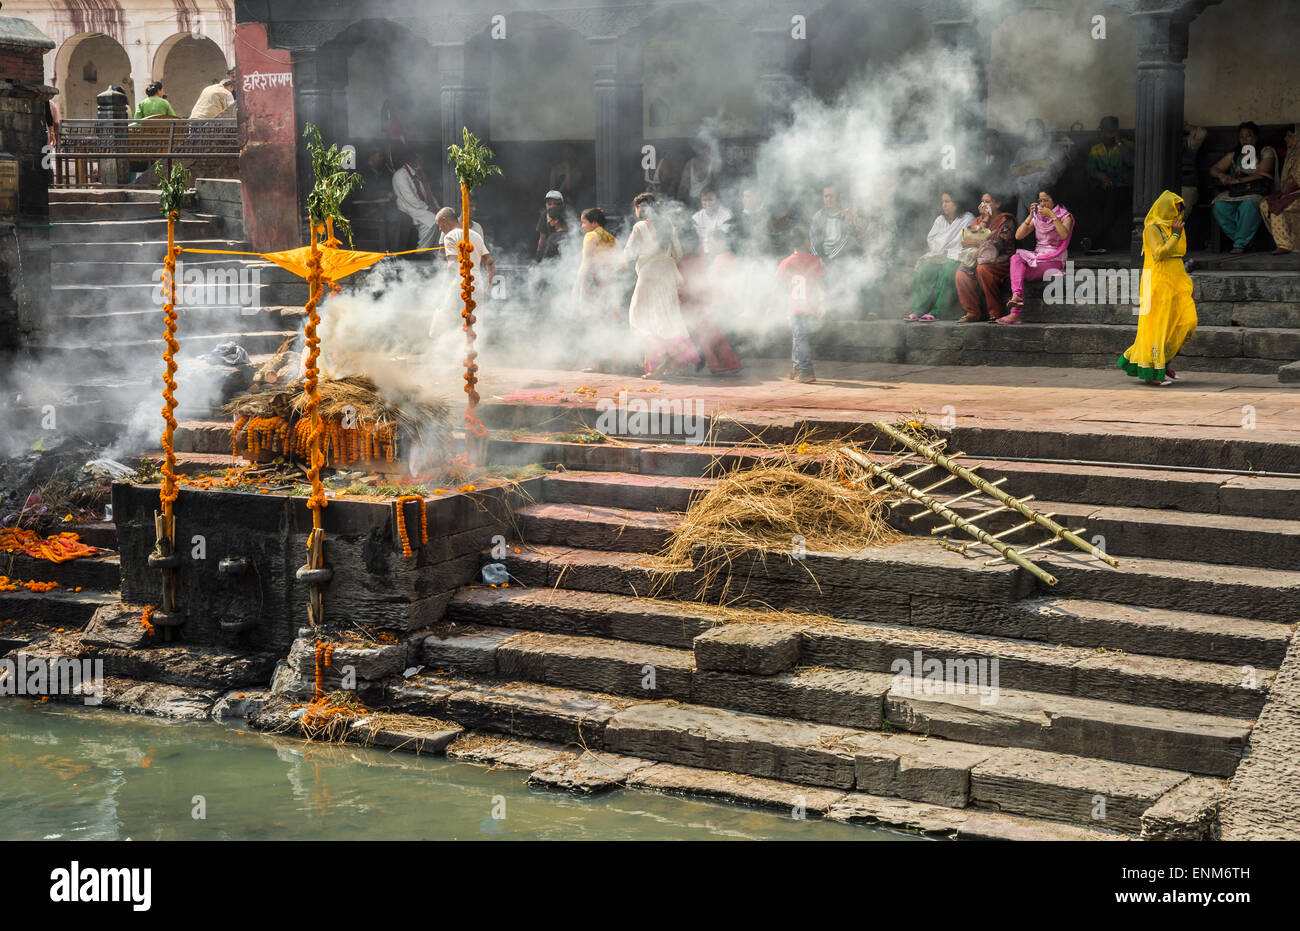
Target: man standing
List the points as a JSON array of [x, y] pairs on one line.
[[479, 257], [553, 199], [1110, 187], [415, 199], [214, 100], [833, 227], [712, 221]]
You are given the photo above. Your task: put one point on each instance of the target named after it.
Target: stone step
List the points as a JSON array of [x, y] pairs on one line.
[[194, 321], [94, 270], [597, 470], [1231, 591], [1011, 780], [983, 713], [101, 573], [1076, 345], [82, 299], [606, 528], [1067, 622], [64, 210], [1210, 447], [953, 774], [62, 607], [1284, 313], [1119, 627], [123, 356], [1142, 532], [75, 232], [105, 195], [1081, 672], [151, 251]]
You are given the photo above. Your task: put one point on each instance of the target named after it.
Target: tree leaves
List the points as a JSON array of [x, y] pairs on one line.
[[174, 187], [471, 161], [333, 183]]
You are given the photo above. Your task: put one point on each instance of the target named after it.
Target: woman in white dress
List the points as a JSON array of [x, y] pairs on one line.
[[655, 314]]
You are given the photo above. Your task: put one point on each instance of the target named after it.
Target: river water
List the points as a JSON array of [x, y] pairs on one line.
[[70, 772]]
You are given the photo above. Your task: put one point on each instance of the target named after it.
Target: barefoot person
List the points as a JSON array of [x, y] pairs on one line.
[[1167, 313], [655, 313]]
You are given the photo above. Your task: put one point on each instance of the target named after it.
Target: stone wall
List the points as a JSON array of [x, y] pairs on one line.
[[222, 198]]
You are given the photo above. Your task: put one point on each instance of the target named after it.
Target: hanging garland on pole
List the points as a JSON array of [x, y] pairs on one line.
[[173, 186], [332, 184], [471, 162]]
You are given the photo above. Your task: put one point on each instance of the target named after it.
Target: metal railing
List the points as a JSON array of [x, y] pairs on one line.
[[84, 143]]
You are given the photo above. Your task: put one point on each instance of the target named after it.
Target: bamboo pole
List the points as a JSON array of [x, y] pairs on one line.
[[989, 489], [165, 522], [316, 458], [957, 520]]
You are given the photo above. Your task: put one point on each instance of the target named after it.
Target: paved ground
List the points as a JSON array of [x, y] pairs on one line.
[[1200, 404]]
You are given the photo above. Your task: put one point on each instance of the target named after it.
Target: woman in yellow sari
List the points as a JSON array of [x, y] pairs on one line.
[[1167, 314]]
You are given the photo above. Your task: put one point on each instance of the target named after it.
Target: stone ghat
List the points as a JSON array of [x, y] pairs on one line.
[[374, 585]]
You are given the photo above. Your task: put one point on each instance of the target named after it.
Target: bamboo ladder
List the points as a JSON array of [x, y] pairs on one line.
[[931, 506]]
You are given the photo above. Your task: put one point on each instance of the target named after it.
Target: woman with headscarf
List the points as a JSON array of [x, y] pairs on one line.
[[934, 285], [595, 289], [1052, 226], [655, 313], [1281, 209], [1248, 176], [1167, 314]]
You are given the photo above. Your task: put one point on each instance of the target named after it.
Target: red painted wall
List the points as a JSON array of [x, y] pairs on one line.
[[268, 143]]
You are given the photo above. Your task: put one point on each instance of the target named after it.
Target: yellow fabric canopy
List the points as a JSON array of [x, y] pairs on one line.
[[335, 263]]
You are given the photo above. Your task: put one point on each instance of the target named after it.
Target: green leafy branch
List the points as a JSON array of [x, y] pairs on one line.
[[174, 187], [333, 183], [472, 161]]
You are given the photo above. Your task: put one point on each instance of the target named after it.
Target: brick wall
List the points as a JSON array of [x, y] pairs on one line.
[[21, 64]]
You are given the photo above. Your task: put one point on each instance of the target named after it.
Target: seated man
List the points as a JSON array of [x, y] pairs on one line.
[[1110, 189], [415, 199]]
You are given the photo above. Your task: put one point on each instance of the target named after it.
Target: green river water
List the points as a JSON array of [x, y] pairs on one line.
[[70, 772]]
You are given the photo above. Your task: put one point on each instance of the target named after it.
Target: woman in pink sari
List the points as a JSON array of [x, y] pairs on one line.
[[1052, 225]]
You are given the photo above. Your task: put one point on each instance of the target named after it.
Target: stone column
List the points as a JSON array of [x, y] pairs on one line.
[[464, 103], [1158, 124], [782, 75], [311, 105], [620, 109]]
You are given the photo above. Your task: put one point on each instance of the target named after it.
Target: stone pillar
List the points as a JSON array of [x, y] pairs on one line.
[[1158, 124], [782, 75], [464, 104], [24, 181], [620, 122]]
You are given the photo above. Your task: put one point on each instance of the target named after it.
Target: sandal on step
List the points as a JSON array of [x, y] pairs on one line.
[[912, 317], [927, 317]]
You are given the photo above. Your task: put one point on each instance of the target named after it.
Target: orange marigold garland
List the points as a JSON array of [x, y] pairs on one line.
[[56, 548], [473, 425], [401, 523], [324, 653], [317, 500], [168, 493], [145, 619]]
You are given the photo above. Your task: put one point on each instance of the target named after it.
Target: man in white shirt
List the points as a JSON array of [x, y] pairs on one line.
[[214, 100], [484, 269], [415, 199], [711, 220]]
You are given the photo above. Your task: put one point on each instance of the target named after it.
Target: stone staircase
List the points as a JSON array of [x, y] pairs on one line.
[[1249, 322], [103, 330], [1125, 698]]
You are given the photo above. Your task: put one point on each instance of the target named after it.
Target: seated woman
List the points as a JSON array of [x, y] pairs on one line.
[[1053, 226], [933, 286], [1236, 208], [1281, 210], [985, 260]]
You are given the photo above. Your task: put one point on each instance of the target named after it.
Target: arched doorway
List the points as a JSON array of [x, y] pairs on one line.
[[186, 65], [86, 65]]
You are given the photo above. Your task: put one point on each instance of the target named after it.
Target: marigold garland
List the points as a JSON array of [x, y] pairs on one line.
[[56, 548], [324, 653], [145, 620], [472, 424], [169, 493], [401, 523]]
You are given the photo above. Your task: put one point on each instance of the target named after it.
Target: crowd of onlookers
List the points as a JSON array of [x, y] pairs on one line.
[[989, 238]]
